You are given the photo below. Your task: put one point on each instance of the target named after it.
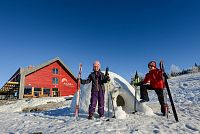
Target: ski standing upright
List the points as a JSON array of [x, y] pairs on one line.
[[165, 77], [109, 94], [136, 80], [108, 86], [78, 92]]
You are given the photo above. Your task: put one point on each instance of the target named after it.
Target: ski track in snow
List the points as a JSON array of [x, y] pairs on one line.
[[186, 94]]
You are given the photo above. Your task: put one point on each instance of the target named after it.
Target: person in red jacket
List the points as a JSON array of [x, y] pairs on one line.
[[153, 81]]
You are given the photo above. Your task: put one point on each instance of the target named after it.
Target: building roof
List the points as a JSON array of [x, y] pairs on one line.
[[31, 69]]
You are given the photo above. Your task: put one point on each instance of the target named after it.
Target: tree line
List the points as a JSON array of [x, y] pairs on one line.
[[194, 69]]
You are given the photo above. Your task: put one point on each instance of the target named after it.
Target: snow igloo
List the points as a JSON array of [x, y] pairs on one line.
[[122, 94]]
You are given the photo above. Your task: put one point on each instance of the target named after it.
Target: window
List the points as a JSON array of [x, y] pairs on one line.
[[55, 80], [37, 92], [55, 71], [28, 90], [46, 91]]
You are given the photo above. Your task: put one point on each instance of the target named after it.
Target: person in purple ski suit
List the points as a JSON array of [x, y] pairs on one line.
[[98, 90]]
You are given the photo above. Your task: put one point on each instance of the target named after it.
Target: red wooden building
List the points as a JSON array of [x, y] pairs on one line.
[[52, 78]]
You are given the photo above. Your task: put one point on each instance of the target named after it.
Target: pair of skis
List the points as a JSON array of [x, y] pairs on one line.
[[167, 91]]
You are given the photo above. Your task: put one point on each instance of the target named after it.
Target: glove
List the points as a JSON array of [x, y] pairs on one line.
[[108, 78]]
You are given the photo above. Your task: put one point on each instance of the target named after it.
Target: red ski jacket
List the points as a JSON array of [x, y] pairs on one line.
[[155, 78]]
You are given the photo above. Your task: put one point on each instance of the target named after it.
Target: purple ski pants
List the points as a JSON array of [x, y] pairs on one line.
[[97, 96]]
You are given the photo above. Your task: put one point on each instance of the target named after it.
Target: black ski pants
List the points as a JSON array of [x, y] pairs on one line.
[[159, 92]]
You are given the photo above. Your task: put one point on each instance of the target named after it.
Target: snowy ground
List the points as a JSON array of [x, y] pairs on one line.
[[185, 90]]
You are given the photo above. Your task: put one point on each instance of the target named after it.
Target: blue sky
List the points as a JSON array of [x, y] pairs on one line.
[[124, 35]]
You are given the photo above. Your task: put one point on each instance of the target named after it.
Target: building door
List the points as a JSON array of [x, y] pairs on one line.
[[55, 92]]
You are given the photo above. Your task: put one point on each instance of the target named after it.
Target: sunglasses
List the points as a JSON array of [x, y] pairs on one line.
[[150, 66]]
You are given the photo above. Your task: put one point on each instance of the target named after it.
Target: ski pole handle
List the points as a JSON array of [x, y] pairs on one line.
[[80, 71], [161, 65], [106, 74]]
